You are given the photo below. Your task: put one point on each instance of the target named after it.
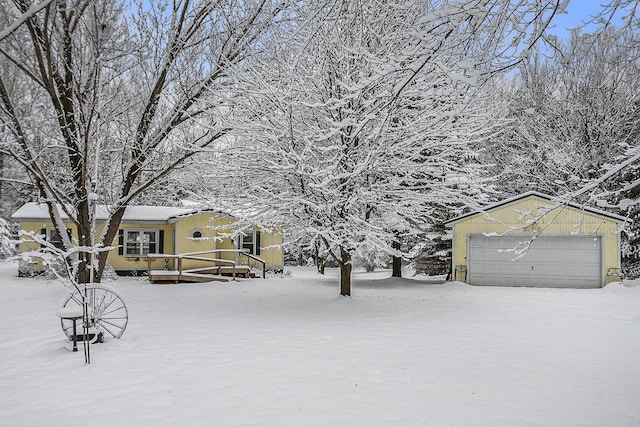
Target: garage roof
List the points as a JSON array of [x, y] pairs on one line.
[[593, 211]]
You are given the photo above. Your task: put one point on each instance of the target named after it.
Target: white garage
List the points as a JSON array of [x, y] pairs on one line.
[[532, 240]]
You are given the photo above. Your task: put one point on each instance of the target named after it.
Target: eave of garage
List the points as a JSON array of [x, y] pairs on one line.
[[551, 199]]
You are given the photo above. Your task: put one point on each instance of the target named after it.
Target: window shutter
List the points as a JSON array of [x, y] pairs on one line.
[[120, 242], [161, 242], [257, 243]]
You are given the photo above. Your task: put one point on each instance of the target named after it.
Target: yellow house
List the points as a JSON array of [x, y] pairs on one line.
[[163, 231], [533, 240]]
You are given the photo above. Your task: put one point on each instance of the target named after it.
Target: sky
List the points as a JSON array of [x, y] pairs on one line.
[[578, 12]]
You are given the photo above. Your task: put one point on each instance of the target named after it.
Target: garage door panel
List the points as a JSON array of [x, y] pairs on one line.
[[571, 261]]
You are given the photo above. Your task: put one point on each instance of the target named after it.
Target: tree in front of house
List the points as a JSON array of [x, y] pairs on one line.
[[359, 129], [104, 99]]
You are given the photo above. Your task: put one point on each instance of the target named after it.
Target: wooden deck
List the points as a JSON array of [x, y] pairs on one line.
[[219, 270]]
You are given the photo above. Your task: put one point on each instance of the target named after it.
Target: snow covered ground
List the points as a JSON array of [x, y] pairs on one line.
[[287, 351]]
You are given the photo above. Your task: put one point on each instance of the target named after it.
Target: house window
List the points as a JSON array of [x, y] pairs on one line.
[[196, 235], [140, 242], [52, 236], [251, 241]]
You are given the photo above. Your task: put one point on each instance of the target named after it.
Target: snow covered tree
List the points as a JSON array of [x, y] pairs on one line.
[[618, 31], [571, 115], [7, 240], [575, 119], [107, 98], [364, 123]]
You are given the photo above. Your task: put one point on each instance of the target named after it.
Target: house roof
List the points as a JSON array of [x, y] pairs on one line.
[[38, 211], [198, 211], [493, 206]]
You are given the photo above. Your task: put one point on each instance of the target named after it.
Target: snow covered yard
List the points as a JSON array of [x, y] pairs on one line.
[[287, 351]]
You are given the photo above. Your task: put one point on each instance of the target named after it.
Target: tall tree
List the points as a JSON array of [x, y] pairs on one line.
[[363, 124], [144, 81], [618, 26], [574, 120], [571, 114]]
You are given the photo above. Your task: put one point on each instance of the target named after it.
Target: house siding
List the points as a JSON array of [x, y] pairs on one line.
[[177, 239], [271, 248], [561, 220], [36, 226], [210, 225], [214, 225]]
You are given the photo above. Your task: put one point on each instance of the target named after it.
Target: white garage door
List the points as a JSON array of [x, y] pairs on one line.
[[559, 262]]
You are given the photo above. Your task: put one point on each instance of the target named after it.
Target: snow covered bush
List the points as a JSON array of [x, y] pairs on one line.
[[7, 239]]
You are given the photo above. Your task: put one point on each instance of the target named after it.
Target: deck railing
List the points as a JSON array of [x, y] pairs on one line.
[[218, 264]]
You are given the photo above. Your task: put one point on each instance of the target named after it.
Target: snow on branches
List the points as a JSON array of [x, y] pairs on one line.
[[362, 127]]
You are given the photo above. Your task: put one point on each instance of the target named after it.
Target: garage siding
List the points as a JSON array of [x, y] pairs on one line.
[[552, 261]]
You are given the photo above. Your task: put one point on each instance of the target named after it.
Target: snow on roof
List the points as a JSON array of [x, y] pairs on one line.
[[547, 197], [31, 210], [39, 211], [198, 211], [151, 213]]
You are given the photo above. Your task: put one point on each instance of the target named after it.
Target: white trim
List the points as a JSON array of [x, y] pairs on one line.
[[551, 199], [175, 239], [142, 231], [255, 249]]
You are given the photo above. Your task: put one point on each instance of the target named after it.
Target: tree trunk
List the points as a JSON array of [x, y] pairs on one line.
[[321, 262], [84, 239], [113, 224], [397, 260], [345, 272]]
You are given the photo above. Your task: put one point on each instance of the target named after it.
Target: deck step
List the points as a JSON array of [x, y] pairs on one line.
[[199, 277], [174, 276]]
